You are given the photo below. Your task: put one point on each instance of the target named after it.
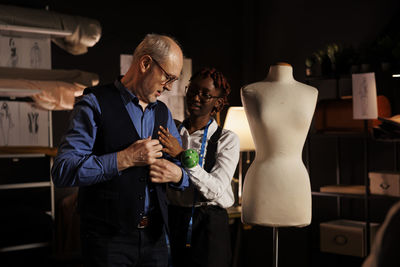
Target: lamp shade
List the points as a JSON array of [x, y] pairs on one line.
[[236, 121]]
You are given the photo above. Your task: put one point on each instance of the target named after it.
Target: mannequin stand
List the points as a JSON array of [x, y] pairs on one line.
[[275, 247]]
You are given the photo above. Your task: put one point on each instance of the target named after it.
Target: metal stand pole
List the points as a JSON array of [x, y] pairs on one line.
[[275, 247], [367, 189], [240, 184]]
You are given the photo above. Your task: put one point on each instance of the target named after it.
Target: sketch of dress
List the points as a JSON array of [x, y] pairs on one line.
[[36, 57], [33, 126], [363, 95], [13, 59], [6, 123]]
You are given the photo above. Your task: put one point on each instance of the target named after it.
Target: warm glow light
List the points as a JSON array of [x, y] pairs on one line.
[[396, 75], [236, 121]]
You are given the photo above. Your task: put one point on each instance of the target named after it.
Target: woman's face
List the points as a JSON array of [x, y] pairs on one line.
[[202, 98]]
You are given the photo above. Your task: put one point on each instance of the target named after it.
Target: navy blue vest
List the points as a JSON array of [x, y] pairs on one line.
[[119, 202]]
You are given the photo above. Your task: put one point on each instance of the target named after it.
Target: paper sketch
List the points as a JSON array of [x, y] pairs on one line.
[[36, 57], [33, 126], [21, 124], [13, 57], [125, 63], [25, 52], [364, 96], [6, 123]]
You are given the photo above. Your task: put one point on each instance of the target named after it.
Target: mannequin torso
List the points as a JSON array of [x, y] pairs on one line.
[[276, 188]]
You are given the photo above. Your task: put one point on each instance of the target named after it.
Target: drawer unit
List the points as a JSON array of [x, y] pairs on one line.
[[385, 183], [345, 237]]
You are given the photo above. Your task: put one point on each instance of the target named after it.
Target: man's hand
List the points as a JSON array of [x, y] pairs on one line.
[[164, 171], [140, 153]]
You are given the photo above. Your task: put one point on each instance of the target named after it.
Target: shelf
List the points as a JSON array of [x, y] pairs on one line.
[[27, 151], [13, 93], [25, 185], [326, 194], [24, 247], [33, 30], [339, 133], [349, 134]]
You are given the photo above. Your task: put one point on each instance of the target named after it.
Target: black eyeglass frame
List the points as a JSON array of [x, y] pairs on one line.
[[170, 78], [201, 94]]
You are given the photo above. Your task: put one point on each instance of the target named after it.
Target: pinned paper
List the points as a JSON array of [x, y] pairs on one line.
[[364, 96]]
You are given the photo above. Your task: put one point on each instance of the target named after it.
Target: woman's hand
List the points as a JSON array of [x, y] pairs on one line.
[[170, 143]]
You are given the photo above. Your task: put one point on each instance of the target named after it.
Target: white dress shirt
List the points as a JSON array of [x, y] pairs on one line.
[[216, 185]]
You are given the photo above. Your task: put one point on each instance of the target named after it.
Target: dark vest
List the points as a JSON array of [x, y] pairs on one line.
[[119, 202]]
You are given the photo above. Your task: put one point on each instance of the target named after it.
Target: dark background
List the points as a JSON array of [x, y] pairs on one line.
[[242, 39]]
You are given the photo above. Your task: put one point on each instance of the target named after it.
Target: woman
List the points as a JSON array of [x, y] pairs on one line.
[[197, 216]]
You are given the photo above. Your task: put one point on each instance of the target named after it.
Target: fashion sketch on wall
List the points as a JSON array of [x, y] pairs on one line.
[[25, 52], [364, 96], [33, 126], [36, 57], [13, 56], [6, 123], [21, 124]]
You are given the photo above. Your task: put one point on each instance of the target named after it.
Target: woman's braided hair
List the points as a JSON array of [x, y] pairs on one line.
[[220, 83]]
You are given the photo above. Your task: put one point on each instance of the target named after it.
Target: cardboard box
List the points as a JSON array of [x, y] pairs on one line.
[[384, 183], [346, 237]]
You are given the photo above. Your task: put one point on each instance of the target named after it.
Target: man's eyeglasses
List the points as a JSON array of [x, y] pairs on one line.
[[204, 95], [169, 78]]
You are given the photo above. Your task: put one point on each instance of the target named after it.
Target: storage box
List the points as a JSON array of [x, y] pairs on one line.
[[384, 183], [346, 237]]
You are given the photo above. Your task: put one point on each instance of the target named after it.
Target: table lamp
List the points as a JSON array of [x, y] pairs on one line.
[[236, 121]]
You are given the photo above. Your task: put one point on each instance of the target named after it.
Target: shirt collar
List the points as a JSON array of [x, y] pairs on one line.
[[127, 95], [211, 129]]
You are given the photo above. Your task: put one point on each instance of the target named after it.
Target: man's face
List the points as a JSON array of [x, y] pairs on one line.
[[160, 77]]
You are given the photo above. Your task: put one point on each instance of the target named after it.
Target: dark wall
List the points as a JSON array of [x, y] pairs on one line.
[[241, 38], [292, 30]]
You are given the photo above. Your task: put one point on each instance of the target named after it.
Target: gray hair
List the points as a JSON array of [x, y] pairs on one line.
[[155, 45]]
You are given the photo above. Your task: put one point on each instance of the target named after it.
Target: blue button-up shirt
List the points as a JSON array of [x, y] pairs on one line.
[[75, 165]]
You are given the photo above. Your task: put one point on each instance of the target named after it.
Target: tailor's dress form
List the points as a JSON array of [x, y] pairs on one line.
[[276, 188]]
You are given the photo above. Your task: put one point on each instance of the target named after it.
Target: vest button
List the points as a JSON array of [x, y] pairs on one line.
[[141, 197], [141, 179]]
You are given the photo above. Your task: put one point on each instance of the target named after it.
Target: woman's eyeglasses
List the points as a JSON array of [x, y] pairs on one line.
[[204, 95]]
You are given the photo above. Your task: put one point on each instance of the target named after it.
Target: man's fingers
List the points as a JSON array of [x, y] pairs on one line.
[[157, 180], [157, 147], [152, 142]]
